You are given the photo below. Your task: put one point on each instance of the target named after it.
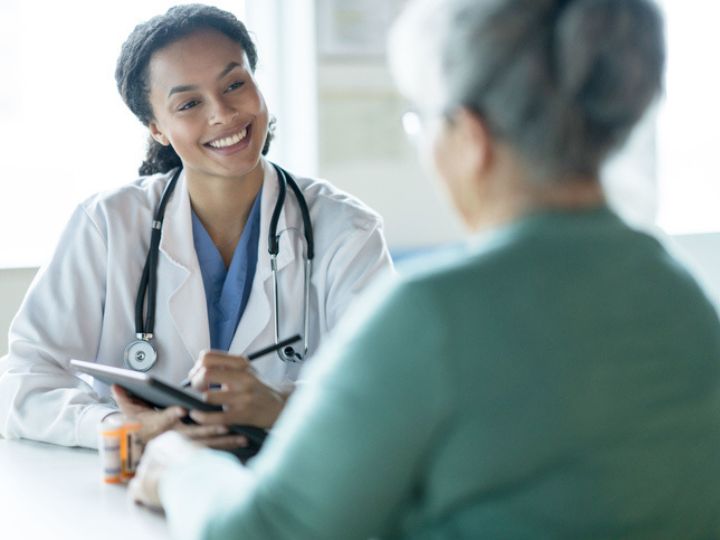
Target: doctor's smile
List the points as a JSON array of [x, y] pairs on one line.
[[233, 142]]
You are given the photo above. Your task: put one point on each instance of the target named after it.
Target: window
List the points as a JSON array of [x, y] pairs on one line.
[[688, 140]]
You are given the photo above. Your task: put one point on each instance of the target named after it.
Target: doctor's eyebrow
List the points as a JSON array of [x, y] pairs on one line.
[[191, 87], [182, 88], [228, 69]]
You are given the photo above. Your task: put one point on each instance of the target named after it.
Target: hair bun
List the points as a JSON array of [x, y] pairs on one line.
[[610, 58]]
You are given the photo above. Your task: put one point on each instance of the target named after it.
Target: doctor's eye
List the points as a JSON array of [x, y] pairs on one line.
[[235, 86], [188, 105]]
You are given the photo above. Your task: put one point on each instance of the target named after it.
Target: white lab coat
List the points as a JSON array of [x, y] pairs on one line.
[[81, 304]]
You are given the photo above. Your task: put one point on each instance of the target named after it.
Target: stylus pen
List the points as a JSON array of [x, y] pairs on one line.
[[262, 352]]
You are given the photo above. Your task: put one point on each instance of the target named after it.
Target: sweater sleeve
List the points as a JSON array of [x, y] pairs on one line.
[[349, 450]]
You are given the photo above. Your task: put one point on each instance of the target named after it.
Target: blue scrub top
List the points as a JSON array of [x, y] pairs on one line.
[[227, 289]]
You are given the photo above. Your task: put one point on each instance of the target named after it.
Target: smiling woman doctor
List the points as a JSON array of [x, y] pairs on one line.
[[188, 76]]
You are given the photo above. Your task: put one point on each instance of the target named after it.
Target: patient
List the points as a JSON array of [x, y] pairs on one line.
[[559, 377]]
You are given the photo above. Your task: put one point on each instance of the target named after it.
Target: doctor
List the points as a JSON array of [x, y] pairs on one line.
[[188, 76]]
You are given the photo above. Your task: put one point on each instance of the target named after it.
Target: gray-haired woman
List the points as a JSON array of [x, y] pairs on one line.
[[559, 378]]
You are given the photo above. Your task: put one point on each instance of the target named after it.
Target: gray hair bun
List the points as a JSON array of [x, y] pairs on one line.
[[562, 81], [609, 61]]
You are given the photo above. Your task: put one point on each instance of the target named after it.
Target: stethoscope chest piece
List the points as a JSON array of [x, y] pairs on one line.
[[140, 355]]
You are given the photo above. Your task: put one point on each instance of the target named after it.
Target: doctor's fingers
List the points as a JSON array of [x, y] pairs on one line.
[[125, 401], [195, 431], [154, 423], [214, 436], [216, 359], [238, 380], [232, 415], [226, 442], [258, 407]]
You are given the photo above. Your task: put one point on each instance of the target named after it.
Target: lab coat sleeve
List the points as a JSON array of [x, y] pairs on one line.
[[349, 452], [356, 261], [59, 319]]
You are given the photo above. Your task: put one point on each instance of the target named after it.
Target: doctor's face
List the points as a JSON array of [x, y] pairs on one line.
[[206, 104]]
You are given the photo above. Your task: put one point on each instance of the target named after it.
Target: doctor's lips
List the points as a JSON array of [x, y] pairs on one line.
[[230, 141]]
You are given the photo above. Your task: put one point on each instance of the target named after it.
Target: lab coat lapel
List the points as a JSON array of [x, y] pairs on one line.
[[259, 308], [185, 291]]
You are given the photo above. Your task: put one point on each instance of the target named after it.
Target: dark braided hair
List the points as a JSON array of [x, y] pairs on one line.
[[131, 72]]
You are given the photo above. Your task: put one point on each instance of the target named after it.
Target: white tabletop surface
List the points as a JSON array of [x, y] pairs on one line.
[[57, 493]]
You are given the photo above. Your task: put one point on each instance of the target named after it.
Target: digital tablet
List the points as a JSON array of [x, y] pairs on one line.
[[160, 394]]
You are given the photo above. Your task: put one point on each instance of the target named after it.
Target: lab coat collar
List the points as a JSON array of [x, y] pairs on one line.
[[176, 241], [183, 279]]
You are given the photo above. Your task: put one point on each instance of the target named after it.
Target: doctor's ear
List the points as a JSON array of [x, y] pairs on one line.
[[158, 135]]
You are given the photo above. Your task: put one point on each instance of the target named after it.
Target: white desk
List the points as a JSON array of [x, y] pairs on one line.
[[54, 492]]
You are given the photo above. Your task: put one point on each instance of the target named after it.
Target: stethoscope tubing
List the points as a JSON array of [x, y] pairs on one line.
[[147, 289], [148, 281]]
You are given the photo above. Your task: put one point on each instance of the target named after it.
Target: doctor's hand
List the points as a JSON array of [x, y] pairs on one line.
[[245, 400], [154, 422]]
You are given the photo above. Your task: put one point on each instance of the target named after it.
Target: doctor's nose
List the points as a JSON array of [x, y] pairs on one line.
[[222, 113]]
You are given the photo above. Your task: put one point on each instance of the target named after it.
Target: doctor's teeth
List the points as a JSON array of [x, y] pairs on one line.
[[229, 141]]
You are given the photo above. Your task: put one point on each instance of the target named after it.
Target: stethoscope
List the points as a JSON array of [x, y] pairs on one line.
[[141, 354]]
